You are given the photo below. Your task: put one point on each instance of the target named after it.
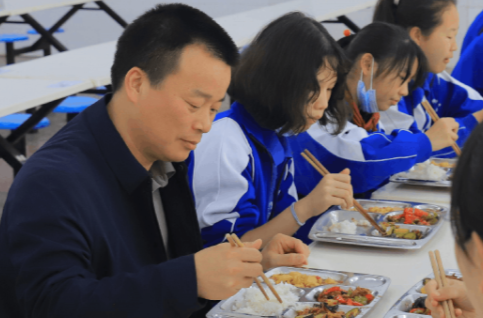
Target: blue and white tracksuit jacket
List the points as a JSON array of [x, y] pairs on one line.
[[469, 69], [475, 30], [241, 176], [449, 98], [372, 157]]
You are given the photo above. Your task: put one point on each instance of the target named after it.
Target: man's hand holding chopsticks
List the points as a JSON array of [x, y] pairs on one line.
[[222, 270]]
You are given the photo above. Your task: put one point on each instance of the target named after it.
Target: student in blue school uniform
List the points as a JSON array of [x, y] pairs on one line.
[[469, 69], [474, 31], [384, 61], [433, 25], [241, 173]]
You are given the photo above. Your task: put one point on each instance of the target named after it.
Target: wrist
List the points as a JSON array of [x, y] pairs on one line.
[[303, 210]]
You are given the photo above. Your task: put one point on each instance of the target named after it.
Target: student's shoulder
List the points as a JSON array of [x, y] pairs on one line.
[[447, 84], [226, 131]]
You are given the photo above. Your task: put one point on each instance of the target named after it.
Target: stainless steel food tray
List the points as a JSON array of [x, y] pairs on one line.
[[402, 306], [376, 283], [441, 184], [368, 236]]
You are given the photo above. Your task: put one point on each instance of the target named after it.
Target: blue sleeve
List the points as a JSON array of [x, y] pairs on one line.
[[473, 32], [451, 98], [469, 69], [287, 193], [222, 182], [372, 158], [52, 250], [245, 215]]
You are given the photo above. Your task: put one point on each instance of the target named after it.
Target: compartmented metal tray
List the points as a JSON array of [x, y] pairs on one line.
[[376, 283], [368, 236], [442, 184], [403, 305]]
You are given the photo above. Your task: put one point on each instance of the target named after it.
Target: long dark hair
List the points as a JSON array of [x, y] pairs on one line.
[[467, 189], [277, 74], [424, 14], [392, 49]]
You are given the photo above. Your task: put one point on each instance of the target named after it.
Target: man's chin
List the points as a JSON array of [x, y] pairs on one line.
[[179, 157]]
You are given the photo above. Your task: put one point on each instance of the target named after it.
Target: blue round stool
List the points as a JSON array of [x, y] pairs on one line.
[[34, 32], [9, 40], [13, 121], [73, 105]]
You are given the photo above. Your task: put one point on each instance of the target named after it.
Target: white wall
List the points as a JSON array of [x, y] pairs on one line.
[[92, 27]]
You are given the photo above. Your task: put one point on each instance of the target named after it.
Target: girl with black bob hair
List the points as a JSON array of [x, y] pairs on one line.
[[384, 61], [467, 223], [433, 25], [242, 171], [276, 62]]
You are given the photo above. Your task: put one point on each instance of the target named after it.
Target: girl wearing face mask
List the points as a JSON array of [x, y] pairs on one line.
[[469, 69], [467, 223], [242, 171], [384, 61], [433, 25]]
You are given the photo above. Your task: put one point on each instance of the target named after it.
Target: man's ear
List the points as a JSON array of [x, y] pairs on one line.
[[416, 35], [478, 243], [133, 83]]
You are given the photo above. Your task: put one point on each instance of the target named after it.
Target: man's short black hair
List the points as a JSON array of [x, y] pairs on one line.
[[154, 41]]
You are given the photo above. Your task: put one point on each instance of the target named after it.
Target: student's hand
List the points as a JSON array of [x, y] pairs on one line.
[[479, 116], [333, 189], [443, 133], [284, 250], [222, 270], [455, 291]]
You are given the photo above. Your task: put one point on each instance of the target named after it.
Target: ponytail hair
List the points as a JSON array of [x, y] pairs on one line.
[[424, 14]]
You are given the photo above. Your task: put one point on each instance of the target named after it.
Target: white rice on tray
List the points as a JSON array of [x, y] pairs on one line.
[[344, 227], [424, 171], [254, 303]]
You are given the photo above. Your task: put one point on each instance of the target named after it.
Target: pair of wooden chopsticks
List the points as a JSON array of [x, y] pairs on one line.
[[235, 241], [323, 171], [434, 116], [440, 276]]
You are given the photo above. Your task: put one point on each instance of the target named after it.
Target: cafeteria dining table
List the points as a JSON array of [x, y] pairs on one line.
[[405, 268], [91, 65], [23, 9]]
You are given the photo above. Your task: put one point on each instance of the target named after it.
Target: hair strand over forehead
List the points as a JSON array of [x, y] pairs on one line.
[[392, 49], [277, 74]]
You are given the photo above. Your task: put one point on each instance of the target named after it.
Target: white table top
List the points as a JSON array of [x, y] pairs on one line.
[[20, 94], [18, 7], [405, 268], [92, 63], [244, 26], [403, 192]]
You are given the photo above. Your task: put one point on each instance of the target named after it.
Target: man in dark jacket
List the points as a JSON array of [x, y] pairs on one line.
[[100, 221]]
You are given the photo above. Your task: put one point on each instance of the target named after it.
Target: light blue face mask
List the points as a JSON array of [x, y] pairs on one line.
[[367, 99]]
